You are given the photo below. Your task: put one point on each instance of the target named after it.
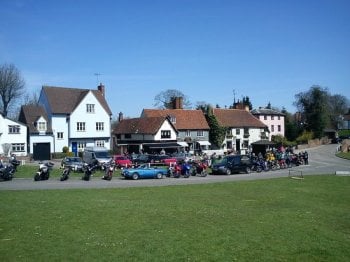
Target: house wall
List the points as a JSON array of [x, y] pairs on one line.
[[60, 124], [90, 135], [245, 142], [165, 126], [273, 122], [19, 138], [42, 139]]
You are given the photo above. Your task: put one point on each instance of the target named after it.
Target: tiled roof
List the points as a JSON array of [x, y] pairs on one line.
[[266, 111], [186, 119], [149, 125], [63, 100], [29, 114], [236, 118]]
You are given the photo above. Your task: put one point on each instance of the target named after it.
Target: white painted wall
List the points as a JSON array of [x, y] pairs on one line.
[[60, 124], [5, 137]]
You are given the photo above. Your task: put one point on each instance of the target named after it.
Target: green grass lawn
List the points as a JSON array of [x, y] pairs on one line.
[[267, 220], [344, 155]]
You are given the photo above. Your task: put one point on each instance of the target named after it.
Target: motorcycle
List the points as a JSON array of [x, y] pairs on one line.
[[7, 172], [88, 168], [109, 169], [43, 172], [65, 174], [14, 162], [199, 168]]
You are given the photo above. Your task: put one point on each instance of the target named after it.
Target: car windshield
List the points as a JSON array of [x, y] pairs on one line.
[[102, 154], [74, 159], [222, 161]]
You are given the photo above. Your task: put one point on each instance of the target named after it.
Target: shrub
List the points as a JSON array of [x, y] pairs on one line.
[[305, 137], [65, 149]]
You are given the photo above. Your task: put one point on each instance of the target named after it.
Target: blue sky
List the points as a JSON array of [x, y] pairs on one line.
[[207, 49]]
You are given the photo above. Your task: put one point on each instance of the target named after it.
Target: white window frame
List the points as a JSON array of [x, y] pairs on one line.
[[99, 126], [81, 126], [90, 108], [200, 133], [14, 129]]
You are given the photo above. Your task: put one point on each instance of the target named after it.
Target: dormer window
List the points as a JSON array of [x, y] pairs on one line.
[[41, 126], [173, 119], [90, 108]]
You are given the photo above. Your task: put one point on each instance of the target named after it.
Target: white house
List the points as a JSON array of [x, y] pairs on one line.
[[145, 134], [75, 118], [40, 136], [13, 137], [242, 127]]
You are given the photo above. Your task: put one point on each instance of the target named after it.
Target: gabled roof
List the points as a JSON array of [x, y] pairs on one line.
[[63, 100], [29, 114], [266, 111], [236, 118], [145, 125], [186, 119]]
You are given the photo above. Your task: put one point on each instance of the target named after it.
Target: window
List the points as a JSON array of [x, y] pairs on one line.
[[100, 143], [90, 108], [188, 133], [238, 131], [81, 146], [99, 126], [200, 133], [14, 129], [165, 134], [279, 128], [17, 147], [172, 119], [59, 135], [265, 117], [272, 128], [80, 126], [272, 117], [41, 126]]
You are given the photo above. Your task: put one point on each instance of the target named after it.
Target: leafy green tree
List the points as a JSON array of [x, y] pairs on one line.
[[337, 106], [313, 107], [291, 128], [216, 133]]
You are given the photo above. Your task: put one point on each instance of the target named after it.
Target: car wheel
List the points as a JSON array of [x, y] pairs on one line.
[[228, 171], [247, 170], [159, 175], [135, 176]]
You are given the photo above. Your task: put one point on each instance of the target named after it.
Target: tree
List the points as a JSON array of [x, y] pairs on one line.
[[216, 133], [313, 107], [291, 128], [11, 86], [165, 99], [337, 106]]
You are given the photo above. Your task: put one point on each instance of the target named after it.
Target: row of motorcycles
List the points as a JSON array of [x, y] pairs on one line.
[[44, 169], [7, 170], [260, 164], [187, 169]]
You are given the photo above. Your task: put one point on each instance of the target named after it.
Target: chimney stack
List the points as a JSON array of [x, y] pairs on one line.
[[178, 103], [101, 88], [121, 116]]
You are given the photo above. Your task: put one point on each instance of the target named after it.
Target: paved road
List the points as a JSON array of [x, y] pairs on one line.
[[322, 160]]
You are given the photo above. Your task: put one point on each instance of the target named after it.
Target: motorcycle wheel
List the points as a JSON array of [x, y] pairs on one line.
[[36, 177]]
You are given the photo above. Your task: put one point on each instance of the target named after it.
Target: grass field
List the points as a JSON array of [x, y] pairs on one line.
[[344, 155], [267, 220]]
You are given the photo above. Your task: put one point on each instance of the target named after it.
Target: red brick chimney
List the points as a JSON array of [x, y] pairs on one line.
[[101, 88], [177, 103]]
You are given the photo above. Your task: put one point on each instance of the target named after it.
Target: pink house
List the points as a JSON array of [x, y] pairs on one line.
[[273, 119]]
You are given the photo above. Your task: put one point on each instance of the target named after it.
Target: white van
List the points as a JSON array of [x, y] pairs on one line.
[[96, 155]]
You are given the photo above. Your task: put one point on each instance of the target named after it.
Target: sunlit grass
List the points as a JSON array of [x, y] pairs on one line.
[[280, 219]]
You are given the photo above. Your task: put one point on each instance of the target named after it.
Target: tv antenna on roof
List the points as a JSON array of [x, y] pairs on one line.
[[97, 75]]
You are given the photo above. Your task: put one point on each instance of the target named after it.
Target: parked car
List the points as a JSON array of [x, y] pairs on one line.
[[122, 161], [154, 159], [182, 156], [144, 171], [232, 164], [74, 163]]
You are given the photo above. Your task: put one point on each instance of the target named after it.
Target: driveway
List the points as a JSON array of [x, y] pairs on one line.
[[322, 160]]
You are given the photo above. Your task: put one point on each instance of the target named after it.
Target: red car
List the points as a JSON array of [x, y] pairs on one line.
[[122, 161]]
